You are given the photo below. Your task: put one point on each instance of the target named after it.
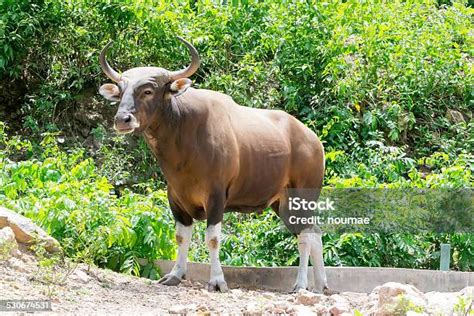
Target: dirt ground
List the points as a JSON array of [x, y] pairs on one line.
[[82, 289]]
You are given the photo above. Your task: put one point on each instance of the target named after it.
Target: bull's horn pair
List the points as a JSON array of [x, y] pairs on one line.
[[174, 75]]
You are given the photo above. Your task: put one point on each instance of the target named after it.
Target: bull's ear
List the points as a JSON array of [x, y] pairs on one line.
[[110, 91], [179, 86]]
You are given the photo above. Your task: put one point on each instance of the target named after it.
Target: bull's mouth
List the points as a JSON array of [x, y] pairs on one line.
[[127, 127], [124, 130]]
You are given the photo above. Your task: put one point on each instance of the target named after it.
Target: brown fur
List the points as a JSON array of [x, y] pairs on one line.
[[215, 154]]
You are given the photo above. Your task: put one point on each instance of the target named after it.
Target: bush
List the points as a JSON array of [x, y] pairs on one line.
[[354, 71], [63, 192], [387, 86]]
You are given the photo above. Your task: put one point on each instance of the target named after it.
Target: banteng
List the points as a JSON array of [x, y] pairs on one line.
[[218, 156]]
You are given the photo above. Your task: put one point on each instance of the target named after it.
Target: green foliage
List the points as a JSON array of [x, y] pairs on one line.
[[354, 71], [63, 192], [375, 80]]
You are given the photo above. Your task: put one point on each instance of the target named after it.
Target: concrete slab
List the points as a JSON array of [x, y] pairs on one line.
[[344, 279]]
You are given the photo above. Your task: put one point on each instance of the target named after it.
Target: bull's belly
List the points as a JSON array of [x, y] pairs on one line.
[[246, 196], [254, 195]]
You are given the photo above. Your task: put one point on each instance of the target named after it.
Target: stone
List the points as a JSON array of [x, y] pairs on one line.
[[268, 295], [8, 244], [253, 309], [304, 297], [467, 291], [441, 303], [26, 232], [181, 309], [237, 292], [282, 305], [340, 305], [279, 307], [454, 116], [320, 309], [303, 310], [393, 297], [81, 276], [202, 308], [7, 235], [339, 309], [17, 265]]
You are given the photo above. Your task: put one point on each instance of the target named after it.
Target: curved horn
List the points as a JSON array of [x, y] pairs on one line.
[[191, 69], [112, 74]]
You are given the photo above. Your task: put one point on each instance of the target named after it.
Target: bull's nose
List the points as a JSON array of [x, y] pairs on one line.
[[123, 118]]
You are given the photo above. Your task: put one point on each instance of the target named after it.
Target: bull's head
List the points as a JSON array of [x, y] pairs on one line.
[[141, 90]]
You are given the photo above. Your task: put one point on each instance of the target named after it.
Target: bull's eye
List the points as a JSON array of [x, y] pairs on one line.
[[147, 92]]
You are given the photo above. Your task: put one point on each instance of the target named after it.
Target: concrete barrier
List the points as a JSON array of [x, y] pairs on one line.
[[343, 279]]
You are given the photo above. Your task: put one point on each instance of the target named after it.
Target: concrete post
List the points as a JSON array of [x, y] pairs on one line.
[[445, 257]]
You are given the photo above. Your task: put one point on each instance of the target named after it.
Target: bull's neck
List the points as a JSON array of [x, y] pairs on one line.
[[163, 135]]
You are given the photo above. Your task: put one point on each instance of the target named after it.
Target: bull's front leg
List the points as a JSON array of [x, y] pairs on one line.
[[183, 238], [215, 214]]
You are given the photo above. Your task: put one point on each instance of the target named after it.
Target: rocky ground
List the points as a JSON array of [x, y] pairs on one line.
[[81, 289], [89, 290]]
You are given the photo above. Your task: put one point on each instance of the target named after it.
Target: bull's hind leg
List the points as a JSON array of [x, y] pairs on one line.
[[319, 273], [309, 245]]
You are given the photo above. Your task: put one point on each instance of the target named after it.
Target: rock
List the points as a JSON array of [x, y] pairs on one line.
[[320, 309], [393, 298], [279, 307], [268, 295], [282, 305], [7, 235], [307, 298], [303, 310], [339, 309], [17, 265], [467, 291], [237, 292], [454, 116], [80, 276], [340, 305], [253, 309], [441, 303], [8, 245], [181, 309], [202, 308], [26, 232], [186, 283], [16, 253], [205, 293]]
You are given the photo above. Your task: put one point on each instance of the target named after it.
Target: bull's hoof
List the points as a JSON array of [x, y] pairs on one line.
[[297, 288], [170, 279], [327, 291], [215, 286]]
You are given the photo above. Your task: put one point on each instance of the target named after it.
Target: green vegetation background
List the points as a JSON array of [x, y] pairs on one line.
[[386, 86]]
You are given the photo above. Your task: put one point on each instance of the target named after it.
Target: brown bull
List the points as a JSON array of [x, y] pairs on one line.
[[218, 156]]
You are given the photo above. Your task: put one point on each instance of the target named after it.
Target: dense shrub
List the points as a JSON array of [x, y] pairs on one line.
[[354, 71], [387, 86], [63, 192]]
